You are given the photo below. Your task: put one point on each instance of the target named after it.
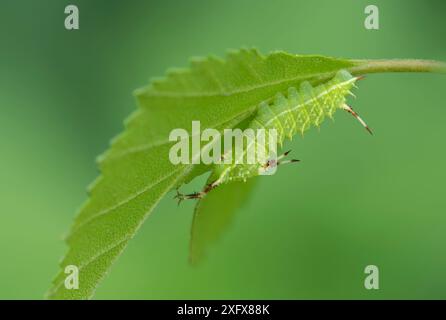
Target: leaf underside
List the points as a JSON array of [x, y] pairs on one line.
[[214, 214], [136, 172]]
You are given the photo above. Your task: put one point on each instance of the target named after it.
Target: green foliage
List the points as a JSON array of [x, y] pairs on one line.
[[136, 172], [214, 213]]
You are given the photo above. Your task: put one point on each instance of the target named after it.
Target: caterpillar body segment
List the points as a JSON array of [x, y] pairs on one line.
[[288, 114], [303, 108]]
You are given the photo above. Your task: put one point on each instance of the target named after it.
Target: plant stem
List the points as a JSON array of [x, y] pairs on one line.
[[397, 65]]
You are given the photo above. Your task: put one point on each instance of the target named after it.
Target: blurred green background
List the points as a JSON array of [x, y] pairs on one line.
[[308, 231]]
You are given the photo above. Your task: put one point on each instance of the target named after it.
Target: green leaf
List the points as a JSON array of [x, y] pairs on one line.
[[136, 172], [214, 214]]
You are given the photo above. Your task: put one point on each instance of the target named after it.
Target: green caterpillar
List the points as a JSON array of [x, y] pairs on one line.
[[287, 115]]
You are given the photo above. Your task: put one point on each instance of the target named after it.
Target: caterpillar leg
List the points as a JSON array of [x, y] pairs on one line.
[[195, 195], [180, 196], [288, 161], [279, 161], [353, 113]]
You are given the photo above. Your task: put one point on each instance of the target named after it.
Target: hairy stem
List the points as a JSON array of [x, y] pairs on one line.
[[404, 65]]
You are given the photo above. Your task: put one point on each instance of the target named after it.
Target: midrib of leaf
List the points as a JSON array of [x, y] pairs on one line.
[[123, 202], [167, 94], [84, 265], [126, 238]]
